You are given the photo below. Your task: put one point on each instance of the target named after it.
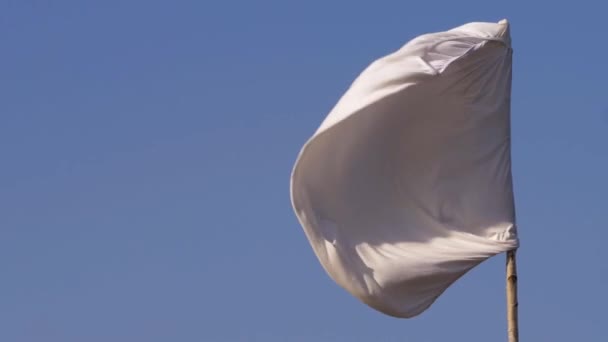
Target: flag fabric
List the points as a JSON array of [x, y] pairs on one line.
[[407, 185]]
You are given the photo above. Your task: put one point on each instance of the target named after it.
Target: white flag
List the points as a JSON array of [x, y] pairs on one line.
[[407, 183]]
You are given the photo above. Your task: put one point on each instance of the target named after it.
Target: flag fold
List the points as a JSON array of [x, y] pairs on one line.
[[406, 185]]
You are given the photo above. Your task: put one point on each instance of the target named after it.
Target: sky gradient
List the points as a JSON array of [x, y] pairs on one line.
[[146, 149]]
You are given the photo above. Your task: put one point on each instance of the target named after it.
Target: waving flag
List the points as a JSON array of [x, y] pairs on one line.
[[407, 185]]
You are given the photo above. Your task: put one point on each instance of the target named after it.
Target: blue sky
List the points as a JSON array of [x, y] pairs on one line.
[[146, 148]]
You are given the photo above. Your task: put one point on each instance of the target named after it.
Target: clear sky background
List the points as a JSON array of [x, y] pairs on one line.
[[146, 149]]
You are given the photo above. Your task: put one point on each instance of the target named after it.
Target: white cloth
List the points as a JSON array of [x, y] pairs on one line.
[[407, 183]]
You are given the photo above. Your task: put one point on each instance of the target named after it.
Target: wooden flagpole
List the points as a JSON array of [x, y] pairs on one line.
[[512, 323]]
